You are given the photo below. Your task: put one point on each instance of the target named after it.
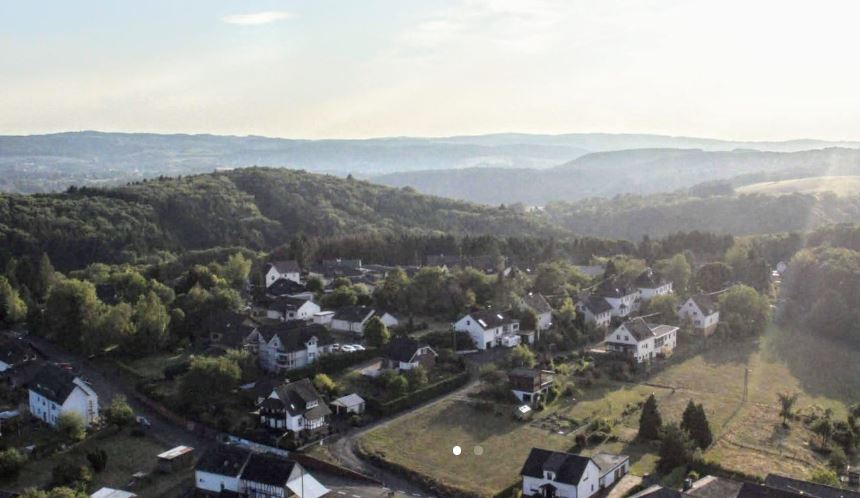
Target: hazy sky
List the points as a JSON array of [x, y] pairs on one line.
[[740, 69]]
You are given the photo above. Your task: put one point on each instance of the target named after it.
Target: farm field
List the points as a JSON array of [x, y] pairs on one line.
[[747, 433]]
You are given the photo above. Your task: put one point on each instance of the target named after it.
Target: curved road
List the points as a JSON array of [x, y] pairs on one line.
[[343, 449]]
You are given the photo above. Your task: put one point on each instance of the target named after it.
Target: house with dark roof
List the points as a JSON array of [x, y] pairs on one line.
[[751, 490], [289, 288], [489, 328], [535, 302], [650, 284], [226, 328], [14, 353], [289, 345], [235, 471], [565, 475], [530, 385], [702, 312], [596, 310], [354, 319], [807, 488], [642, 341], [295, 407], [285, 308], [706, 487], [288, 269], [624, 300], [55, 391], [405, 353]]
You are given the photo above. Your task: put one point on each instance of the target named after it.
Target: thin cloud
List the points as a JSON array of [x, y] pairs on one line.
[[257, 18]]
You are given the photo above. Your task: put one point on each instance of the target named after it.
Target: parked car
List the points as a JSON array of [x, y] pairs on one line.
[[358, 347], [346, 348], [335, 347], [143, 422]]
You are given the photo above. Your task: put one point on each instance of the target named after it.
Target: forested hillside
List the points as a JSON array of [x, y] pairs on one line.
[[257, 208], [634, 216]]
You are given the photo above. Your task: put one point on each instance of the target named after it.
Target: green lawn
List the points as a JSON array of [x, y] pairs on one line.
[[748, 435], [126, 456]]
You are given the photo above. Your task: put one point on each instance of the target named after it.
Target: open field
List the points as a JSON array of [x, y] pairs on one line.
[[747, 433], [126, 456], [839, 185]]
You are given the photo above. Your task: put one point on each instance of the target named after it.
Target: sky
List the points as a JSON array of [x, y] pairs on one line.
[[743, 70]]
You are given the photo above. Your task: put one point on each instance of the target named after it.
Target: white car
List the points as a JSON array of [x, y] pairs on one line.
[[358, 347], [335, 347], [346, 348]]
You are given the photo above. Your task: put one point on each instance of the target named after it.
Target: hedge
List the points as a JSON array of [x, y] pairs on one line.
[[332, 364], [417, 397]]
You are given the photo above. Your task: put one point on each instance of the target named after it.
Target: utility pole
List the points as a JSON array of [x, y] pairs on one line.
[[746, 382]]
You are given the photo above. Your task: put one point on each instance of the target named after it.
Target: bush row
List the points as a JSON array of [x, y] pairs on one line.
[[417, 397]]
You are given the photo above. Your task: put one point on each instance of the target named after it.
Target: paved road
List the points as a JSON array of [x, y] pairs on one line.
[[343, 449], [164, 431]]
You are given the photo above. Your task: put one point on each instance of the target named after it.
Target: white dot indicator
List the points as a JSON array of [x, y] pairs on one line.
[[457, 451]]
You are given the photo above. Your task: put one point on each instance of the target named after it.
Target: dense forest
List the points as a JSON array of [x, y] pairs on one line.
[[634, 216], [256, 208]]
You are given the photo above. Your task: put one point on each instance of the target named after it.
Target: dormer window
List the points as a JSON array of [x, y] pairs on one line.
[[549, 475], [312, 404]]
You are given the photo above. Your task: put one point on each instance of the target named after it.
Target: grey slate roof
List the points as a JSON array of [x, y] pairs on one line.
[[402, 349], [714, 487], [294, 334], [490, 319], [649, 279], [286, 266], [53, 383], [638, 329], [14, 351], [705, 303], [568, 468], [268, 469], [283, 287], [750, 490], [596, 304], [352, 313], [225, 460], [657, 491], [295, 396], [808, 488]]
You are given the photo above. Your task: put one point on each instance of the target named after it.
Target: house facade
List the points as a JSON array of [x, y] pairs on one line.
[[642, 341], [354, 319], [54, 392], [288, 270], [553, 474], [651, 284], [540, 306], [489, 328], [702, 312], [294, 407], [283, 347], [291, 308], [229, 470], [596, 310], [405, 353]]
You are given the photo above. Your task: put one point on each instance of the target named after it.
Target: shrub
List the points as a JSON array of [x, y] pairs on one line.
[[68, 473], [72, 426], [837, 459], [11, 461], [98, 460]]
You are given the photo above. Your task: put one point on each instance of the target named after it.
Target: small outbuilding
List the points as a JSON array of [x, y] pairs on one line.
[[112, 493], [352, 403], [175, 459]]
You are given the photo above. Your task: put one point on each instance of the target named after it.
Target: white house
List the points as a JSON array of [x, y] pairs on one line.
[[405, 353], [55, 391], [323, 317], [596, 310], [238, 471], [354, 319], [623, 300], [294, 407], [288, 269], [490, 328], [289, 345], [540, 306], [702, 312], [642, 341], [553, 474], [651, 284], [291, 308]]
